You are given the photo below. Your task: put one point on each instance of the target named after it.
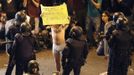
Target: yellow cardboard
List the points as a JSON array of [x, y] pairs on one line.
[[54, 15]]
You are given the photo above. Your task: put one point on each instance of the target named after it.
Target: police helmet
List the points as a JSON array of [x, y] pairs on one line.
[[120, 20], [76, 32], [25, 27], [33, 67], [120, 23], [116, 16], [20, 16]]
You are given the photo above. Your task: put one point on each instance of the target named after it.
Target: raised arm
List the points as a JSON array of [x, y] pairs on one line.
[[36, 2], [96, 4]]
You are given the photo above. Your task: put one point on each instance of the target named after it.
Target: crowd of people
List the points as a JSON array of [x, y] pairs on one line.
[[106, 23]]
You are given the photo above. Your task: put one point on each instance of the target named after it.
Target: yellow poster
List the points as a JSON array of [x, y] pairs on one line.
[[53, 15]]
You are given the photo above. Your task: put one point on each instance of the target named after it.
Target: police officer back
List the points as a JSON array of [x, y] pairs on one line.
[[75, 53], [24, 46]]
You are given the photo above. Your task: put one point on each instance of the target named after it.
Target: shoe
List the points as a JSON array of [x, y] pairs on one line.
[[56, 73], [103, 73], [132, 70]]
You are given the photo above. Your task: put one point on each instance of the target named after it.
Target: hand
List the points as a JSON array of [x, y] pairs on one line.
[[115, 32]]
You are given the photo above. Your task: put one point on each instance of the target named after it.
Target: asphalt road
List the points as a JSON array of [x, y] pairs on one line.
[[94, 66]]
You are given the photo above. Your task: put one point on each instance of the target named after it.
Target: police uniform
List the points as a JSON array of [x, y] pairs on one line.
[[119, 57], [24, 46], [75, 53]]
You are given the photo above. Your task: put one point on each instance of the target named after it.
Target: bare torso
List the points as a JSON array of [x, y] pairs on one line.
[[58, 34]]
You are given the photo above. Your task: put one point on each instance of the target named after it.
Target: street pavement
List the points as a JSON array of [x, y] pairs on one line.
[[96, 65]]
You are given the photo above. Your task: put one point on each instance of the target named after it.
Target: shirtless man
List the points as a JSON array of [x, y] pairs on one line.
[[58, 37]]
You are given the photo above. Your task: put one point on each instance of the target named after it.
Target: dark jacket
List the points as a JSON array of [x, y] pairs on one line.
[[120, 43], [76, 52], [24, 47]]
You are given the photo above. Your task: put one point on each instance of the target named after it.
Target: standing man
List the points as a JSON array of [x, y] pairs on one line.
[[92, 20], [58, 38]]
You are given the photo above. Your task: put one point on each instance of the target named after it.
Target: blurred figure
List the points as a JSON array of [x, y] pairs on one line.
[[13, 27], [10, 7], [103, 44], [44, 39], [3, 20], [33, 11], [93, 20], [124, 6], [75, 53], [52, 2], [73, 22], [121, 6], [2, 30], [106, 6], [106, 24]]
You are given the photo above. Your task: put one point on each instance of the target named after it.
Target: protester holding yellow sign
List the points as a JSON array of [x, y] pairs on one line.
[[56, 17]]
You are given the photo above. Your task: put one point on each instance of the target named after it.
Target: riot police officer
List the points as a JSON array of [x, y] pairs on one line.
[[24, 46], [75, 52], [120, 44]]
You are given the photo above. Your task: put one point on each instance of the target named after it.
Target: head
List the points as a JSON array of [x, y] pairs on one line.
[[25, 28], [116, 16], [33, 67], [3, 17], [105, 16], [120, 23], [20, 16], [76, 32]]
